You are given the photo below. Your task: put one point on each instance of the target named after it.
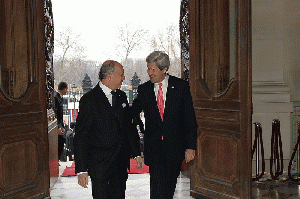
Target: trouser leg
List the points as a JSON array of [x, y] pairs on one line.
[[163, 179], [61, 143], [99, 189], [112, 189]]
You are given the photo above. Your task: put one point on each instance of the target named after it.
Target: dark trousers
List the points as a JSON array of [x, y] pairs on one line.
[[114, 185], [61, 143], [112, 189], [163, 179]]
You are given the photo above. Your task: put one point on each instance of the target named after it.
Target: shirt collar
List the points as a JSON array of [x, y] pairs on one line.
[[106, 90], [164, 82]]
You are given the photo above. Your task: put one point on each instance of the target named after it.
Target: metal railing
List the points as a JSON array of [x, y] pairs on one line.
[[296, 150], [276, 159], [258, 146]]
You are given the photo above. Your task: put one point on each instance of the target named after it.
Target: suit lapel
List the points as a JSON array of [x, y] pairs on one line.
[[119, 106], [169, 96], [102, 100], [153, 100], [152, 94]]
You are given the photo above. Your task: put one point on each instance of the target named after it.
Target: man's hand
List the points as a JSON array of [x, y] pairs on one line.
[[83, 180], [189, 155], [140, 162], [61, 131]]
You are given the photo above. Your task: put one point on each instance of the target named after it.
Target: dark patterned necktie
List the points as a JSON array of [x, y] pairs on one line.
[[114, 105], [114, 98]]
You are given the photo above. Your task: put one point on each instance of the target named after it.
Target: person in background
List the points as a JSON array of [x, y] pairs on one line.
[[70, 140], [105, 137], [58, 109], [66, 126], [170, 125], [72, 127]]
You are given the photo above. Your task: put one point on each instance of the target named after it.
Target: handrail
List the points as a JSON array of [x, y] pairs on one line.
[[293, 156], [258, 140], [276, 151]]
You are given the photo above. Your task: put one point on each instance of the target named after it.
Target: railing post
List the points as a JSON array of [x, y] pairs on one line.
[[276, 151], [296, 150], [258, 141]]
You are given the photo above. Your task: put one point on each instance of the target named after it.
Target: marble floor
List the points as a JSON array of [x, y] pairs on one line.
[[283, 188], [138, 187]]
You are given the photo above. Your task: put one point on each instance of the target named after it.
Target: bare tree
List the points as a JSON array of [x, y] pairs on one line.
[[69, 54], [140, 66], [76, 71], [130, 39], [168, 40]]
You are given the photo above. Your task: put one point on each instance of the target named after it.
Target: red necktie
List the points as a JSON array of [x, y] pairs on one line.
[[160, 101]]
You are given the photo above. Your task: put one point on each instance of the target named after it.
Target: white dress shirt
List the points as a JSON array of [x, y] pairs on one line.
[[107, 92], [164, 88]]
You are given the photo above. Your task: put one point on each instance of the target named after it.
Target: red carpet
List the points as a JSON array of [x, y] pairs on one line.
[[133, 168], [70, 171]]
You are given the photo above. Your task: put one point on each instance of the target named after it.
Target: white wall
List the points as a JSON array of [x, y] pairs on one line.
[[275, 67]]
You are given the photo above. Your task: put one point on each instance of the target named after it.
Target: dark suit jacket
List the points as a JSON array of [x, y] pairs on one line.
[[178, 127], [103, 135], [58, 109]]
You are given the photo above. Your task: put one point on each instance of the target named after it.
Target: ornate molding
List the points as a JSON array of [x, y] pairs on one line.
[[184, 40], [49, 50]]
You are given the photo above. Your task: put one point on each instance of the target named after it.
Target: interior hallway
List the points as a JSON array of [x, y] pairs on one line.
[[138, 187]]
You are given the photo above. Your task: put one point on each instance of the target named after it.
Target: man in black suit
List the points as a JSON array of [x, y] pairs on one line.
[[170, 125], [62, 90], [105, 137], [70, 139]]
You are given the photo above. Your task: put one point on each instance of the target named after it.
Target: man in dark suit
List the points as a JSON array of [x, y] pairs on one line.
[[70, 139], [170, 125], [105, 137], [62, 90]]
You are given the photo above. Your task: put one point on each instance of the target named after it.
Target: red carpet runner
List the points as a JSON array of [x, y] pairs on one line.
[[133, 168], [70, 171]]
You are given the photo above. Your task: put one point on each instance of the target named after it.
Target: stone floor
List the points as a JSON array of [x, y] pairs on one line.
[[138, 188], [282, 188]]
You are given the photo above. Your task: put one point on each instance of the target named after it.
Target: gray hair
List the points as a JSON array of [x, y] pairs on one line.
[[108, 67], [160, 58]]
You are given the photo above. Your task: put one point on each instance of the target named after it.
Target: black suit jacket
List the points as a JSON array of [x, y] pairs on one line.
[[103, 135], [178, 127], [58, 109]]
